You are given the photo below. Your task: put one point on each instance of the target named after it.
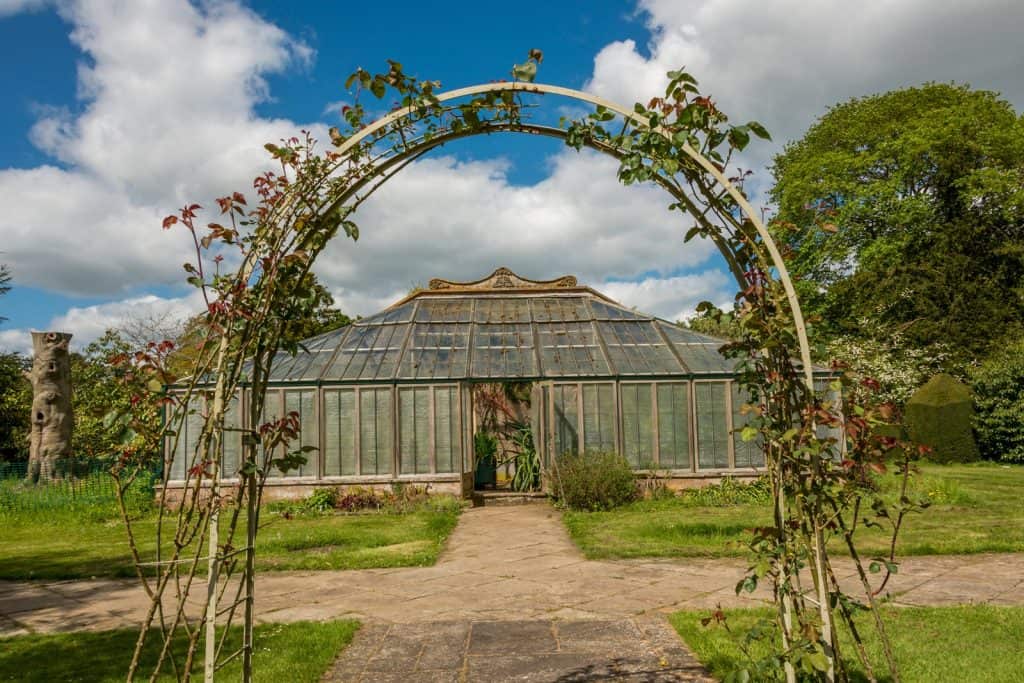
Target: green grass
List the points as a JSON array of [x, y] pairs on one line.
[[301, 651], [66, 545], [975, 508], [931, 644]]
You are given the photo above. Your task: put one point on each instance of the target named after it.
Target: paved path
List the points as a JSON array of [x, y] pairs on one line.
[[511, 564], [644, 649], [502, 563]]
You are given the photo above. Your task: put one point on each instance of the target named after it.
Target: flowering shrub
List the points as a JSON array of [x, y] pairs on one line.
[[898, 368]]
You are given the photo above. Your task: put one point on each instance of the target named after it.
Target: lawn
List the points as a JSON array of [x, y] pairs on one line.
[[975, 508], [931, 644], [60, 545], [300, 651]]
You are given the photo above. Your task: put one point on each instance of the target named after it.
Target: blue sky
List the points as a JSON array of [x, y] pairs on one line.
[[116, 113]]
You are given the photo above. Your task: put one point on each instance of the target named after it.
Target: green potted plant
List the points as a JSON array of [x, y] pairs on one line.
[[485, 447]]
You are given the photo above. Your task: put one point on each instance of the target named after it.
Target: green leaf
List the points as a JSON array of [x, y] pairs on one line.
[[739, 137], [525, 72], [874, 567], [818, 660], [759, 130]]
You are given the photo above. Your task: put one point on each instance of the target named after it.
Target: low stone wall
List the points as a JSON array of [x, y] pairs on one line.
[[297, 489], [460, 485]]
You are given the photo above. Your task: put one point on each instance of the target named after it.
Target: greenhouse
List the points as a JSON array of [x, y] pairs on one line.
[[390, 398]]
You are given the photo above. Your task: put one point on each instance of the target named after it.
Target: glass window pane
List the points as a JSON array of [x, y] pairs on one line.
[[414, 430], [598, 417], [637, 425], [375, 431], [340, 432], [303, 403], [272, 410], [828, 395], [712, 428], [447, 438], [232, 439], [747, 453], [189, 428], [673, 426], [566, 419]]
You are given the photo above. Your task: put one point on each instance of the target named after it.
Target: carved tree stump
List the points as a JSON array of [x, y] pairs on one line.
[[52, 418]]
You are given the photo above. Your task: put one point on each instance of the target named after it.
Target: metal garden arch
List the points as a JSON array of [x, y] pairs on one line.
[[539, 88]]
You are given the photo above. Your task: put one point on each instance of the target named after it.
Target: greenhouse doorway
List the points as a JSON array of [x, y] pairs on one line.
[[507, 431]]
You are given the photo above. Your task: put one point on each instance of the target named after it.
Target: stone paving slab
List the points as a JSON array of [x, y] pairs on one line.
[[529, 650]]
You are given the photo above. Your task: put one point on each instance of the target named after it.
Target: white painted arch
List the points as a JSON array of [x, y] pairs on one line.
[[642, 122]]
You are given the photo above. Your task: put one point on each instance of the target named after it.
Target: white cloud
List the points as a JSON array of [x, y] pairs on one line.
[[460, 220], [168, 91], [784, 62], [12, 7], [15, 341], [674, 298], [88, 323]]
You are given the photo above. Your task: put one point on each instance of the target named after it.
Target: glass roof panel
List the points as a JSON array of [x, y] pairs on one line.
[[558, 308], [681, 335], [290, 368], [503, 350], [636, 348], [502, 310], [570, 349], [705, 358], [319, 354], [512, 336], [448, 310], [398, 314], [699, 351], [606, 311], [436, 351], [368, 352]]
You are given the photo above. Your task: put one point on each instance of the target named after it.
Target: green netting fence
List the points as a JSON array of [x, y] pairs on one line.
[[80, 486]]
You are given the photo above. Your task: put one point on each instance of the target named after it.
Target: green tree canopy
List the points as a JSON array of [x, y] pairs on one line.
[[907, 208], [15, 406]]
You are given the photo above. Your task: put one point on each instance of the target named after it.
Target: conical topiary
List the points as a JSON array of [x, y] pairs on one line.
[[939, 415]]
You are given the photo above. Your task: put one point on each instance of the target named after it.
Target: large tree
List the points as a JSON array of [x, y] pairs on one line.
[[907, 209], [15, 394]]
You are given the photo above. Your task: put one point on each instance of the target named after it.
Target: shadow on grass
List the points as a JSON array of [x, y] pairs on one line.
[[294, 652]]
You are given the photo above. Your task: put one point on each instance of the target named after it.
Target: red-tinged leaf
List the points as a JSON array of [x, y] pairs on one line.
[[169, 221], [238, 197], [877, 467], [829, 227]]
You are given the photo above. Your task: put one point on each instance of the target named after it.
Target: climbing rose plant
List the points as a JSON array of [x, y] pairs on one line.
[[253, 267]]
